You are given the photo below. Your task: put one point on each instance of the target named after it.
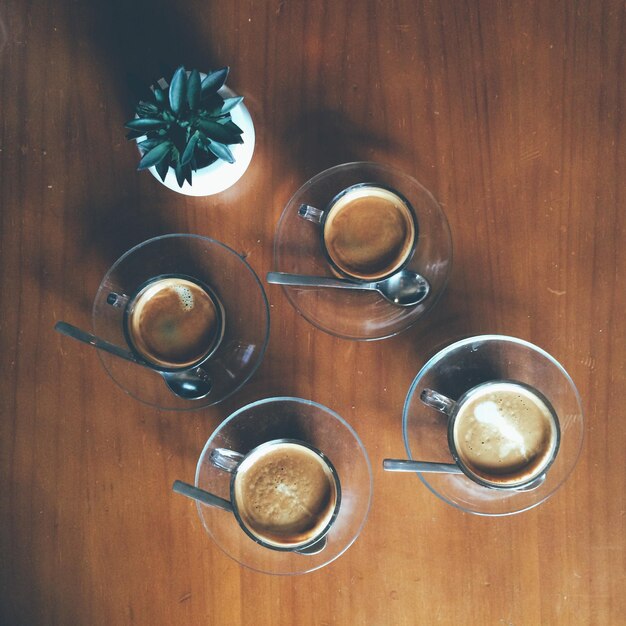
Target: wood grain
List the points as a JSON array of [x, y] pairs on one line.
[[512, 113]]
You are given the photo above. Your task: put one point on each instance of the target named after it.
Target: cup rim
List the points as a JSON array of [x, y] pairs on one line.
[[205, 401], [469, 507], [437, 273], [476, 477], [221, 316], [364, 457], [327, 211], [331, 520]]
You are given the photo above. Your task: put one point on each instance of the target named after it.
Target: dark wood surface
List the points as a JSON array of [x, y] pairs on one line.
[[512, 113]]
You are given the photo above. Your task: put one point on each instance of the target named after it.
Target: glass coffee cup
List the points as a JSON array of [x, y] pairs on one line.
[[284, 493], [352, 312], [368, 231], [172, 322], [467, 382], [289, 452], [502, 434], [180, 322]]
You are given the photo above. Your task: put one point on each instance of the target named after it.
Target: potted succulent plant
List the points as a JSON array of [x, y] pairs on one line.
[[195, 134]]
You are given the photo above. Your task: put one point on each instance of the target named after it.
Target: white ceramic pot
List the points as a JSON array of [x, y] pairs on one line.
[[220, 175]]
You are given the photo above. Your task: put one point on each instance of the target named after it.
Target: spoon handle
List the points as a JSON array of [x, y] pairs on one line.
[[76, 333], [200, 495], [298, 280], [404, 465]]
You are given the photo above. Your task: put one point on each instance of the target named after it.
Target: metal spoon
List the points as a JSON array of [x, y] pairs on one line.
[[206, 497], [426, 467], [195, 493], [405, 465], [405, 288], [191, 384]]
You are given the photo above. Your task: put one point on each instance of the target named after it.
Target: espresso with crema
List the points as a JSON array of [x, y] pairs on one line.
[[505, 434], [285, 494], [369, 232], [173, 322]]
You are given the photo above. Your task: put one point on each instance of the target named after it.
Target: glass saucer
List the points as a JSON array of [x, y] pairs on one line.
[[234, 282], [290, 418], [463, 365], [361, 315]]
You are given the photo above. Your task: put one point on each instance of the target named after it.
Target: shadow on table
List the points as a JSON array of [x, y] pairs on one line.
[[134, 44], [320, 139], [144, 40], [451, 318]]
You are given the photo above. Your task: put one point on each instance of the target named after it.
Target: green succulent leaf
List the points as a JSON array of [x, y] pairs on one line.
[[180, 173], [228, 123], [135, 134], [146, 123], [193, 90], [190, 148], [150, 143], [230, 104], [202, 147], [160, 96], [187, 127], [162, 168], [233, 128], [211, 104], [178, 90], [147, 109], [155, 155], [221, 151], [179, 136], [217, 132], [214, 81]]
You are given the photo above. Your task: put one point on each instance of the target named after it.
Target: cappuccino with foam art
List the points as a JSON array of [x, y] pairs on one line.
[[504, 433]]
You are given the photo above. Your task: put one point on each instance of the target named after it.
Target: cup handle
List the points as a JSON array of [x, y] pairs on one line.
[[117, 300], [437, 401], [444, 404], [225, 459], [310, 213]]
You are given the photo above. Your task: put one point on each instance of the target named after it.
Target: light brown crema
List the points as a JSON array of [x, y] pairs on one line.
[[285, 495], [369, 232]]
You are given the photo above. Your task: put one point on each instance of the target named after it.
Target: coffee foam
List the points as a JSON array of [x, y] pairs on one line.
[[173, 322], [504, 432], [185, 295], [285, 495], [504, 427]]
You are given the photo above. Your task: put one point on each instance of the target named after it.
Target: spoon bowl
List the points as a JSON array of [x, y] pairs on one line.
[[193, 384], [405, 288]]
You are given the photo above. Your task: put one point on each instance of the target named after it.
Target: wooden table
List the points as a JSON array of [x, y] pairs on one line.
[[512, 113]]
